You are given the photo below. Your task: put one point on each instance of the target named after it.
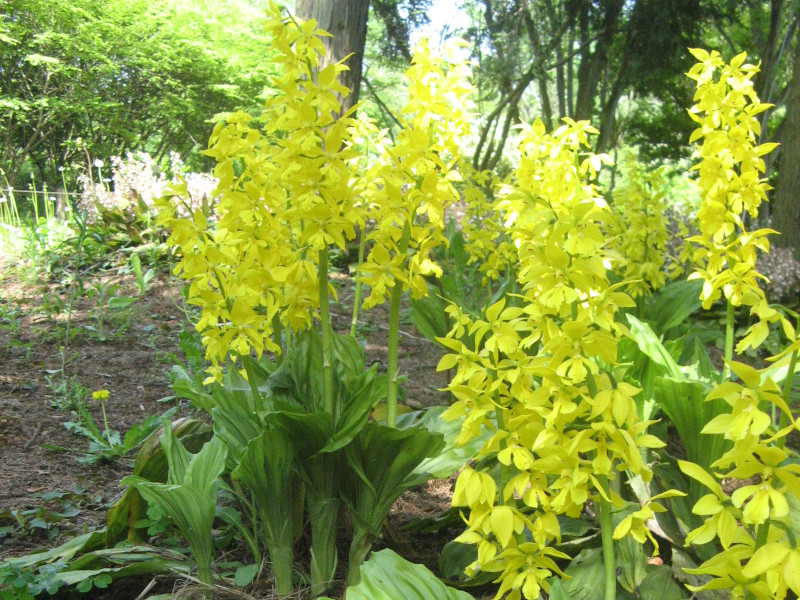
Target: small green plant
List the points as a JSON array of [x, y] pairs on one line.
[[106, 297], [10, 318], [20, 583], [142, 278], [109, 444], [68, 392], [44, 520]]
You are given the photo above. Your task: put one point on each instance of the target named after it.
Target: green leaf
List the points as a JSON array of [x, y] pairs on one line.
[[237, 429], [631, 560], [102, 581], [387, 576], [190, 495], [120, 302], [206, 466], [587, 575], [429, 316], [674, 304], [192, 513], [558, 591], [186, 387], [649, 343], [151, 464], [453, 561], [659, 584], [683, 401], [383, 462], [266, 469], [244, 575], [793, 518]]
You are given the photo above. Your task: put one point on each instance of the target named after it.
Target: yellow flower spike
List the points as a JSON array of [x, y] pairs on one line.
[[638, 230], [253, 268], [730, 183], [562, 419]]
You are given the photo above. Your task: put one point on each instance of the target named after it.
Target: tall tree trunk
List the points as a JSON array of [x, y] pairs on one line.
[[347, 23], [786, 213], [595, 62]]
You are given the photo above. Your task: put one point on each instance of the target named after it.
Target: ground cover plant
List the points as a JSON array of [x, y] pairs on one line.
[[600, 437]]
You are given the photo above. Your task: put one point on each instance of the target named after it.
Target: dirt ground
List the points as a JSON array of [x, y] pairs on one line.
[[46, 495]]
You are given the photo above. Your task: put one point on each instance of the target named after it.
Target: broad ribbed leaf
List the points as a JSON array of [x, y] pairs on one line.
[[308, 432], [631, 560], [454, 559], [236, 429], [659, 584], [190, 510], [206, 466], [382, 460], [587, 575], [186, 387], [124, 562], [190, 504], [429, 316], [558, 591], [649, 343], [64, 553], [178, 456], [348, 357], [151, 464], [683, 401], [385, 459], [266, 469], [387, 576], [674, 304]]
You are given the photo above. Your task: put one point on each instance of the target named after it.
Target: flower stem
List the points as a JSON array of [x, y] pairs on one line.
[[787, 391], [394, 336], [729, 323], [391, 355], [607, 536], [357, 299], [504, 469], [105, 419], [325, 324], [277, 337]]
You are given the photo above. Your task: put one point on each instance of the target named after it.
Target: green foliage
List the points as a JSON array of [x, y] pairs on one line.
[[554, 390], [384, 463], [104, 78], [387, 576], [142, 278], [151, 464], [265, 468], [110, 444], [190, 494]]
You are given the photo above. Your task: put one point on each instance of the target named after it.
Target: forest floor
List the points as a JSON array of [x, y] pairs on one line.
[[52, 355]]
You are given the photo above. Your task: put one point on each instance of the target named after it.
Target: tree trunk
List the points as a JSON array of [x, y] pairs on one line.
[[347, 23], [786, 214], [594, 62]]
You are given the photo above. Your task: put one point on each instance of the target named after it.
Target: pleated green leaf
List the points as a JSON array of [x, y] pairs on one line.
[[675, 303], [387, 576]]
